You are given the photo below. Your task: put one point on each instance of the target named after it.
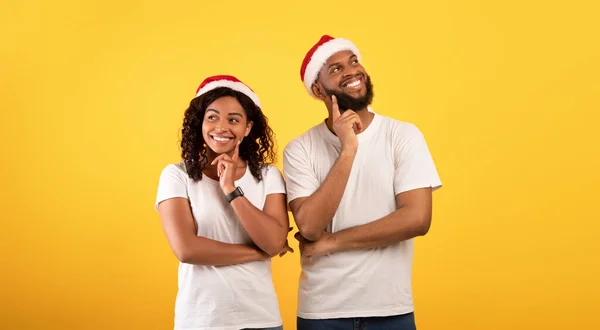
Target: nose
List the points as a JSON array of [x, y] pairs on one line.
[[222, 126], [350, 71]]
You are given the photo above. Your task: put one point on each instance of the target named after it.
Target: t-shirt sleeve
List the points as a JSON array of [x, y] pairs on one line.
[[172, 183], [301, 180], [274, 181], [414, 165]]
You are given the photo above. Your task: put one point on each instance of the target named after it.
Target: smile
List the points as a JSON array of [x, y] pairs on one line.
[[221, 139], [353, 83]]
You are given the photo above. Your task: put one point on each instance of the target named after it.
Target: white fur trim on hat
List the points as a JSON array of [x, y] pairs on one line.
[[236, 86], [321, 55]]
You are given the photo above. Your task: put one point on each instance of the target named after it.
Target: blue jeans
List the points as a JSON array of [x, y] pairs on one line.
[[397, 322]]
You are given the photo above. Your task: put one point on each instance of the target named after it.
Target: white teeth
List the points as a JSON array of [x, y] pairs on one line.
[[220, 139], [354, 84]]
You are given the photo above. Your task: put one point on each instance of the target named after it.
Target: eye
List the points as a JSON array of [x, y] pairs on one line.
[[355, 61], [211, 117], [234, 120], [334, 70]]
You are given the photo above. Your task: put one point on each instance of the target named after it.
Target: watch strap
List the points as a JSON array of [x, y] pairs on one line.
[[232, 195]]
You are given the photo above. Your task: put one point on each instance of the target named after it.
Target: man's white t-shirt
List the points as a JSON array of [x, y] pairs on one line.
[[392, 158], [224, 297]]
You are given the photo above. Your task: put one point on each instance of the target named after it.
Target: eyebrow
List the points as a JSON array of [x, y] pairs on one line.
[[237, 114], [333, 64], [338, 63]]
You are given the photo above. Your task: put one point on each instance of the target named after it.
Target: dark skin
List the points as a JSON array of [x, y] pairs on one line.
[[343, 73], [340, 70], [225, 125]]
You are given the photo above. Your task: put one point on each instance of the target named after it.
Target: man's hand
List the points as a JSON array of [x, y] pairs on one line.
[[323, 246], [345, 126]]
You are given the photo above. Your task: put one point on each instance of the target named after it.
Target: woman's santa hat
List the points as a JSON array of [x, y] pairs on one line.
[[232, 82], [319, 54]]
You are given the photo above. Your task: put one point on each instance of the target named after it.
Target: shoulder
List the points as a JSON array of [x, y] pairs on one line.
[[175, 168], [269, 171], [269, 174], [399, 126], [306, 140], [400, 131], [175, 171], [272, 180]]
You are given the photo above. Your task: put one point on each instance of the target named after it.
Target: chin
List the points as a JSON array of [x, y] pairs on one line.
[[359, 95], [219, 149]]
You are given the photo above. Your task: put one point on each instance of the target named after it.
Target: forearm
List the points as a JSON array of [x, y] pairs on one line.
[[266, 232], [400, 225], [317, 210], [208, 252]]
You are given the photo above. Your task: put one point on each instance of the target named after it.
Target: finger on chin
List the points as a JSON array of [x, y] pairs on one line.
[[218, 158]]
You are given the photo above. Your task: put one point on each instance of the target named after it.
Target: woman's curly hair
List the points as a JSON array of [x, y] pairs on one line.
[[258, 148]]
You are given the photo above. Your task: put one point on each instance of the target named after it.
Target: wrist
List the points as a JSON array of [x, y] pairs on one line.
[[235, 193], [260, 254], [332, 243], [228, 189], [348, 151]]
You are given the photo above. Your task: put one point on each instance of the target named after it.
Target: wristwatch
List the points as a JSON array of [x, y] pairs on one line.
[[232, 195]]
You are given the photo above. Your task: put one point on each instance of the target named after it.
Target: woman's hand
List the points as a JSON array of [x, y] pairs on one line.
[[226, 168]]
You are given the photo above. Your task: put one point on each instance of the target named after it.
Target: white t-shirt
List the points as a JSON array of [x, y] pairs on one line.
[[224, 297], [392, 157]]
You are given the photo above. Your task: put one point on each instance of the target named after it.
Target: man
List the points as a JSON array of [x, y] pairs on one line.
[[360, 188]]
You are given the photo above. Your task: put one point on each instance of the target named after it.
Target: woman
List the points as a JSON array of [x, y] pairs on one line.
[[223, 211]]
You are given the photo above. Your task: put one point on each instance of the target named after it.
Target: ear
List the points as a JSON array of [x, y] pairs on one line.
[[248, 128], [317, 90]]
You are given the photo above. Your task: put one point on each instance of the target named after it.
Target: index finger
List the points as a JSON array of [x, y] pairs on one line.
[[236, 151], [335, 109]]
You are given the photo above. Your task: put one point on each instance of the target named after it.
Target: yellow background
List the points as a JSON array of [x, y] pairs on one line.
[[507, 94]]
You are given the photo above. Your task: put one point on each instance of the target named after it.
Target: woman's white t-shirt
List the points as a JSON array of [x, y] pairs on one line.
[[223, 297]]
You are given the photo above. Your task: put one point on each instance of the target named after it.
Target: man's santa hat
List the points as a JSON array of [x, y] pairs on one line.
[[319, 54], [232, 82]]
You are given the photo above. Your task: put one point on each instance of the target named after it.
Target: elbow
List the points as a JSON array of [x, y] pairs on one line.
[[424, 225], [182, 254], [305, 222], [273, 249], [310, 233], [276, 247], [423, 230], [273, 252], [183, 257]]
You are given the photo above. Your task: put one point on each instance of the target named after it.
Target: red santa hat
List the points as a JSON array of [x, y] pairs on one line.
[[232, 82], [319, 54]]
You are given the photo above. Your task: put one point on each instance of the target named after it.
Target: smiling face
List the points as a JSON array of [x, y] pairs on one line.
[[343, 76], [225, 123]]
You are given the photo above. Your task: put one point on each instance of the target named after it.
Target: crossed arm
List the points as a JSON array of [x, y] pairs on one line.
[[267, 228], [179, 227], [313, 213], [411, 218]]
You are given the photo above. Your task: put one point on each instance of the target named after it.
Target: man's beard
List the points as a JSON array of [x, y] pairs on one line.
[[346, 101]]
